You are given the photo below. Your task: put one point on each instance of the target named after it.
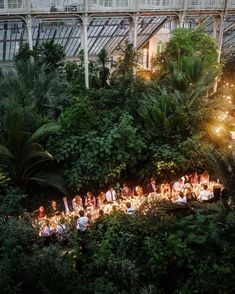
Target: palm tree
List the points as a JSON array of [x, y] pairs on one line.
[[126, 64], [104, 72], [32, 86], [157, 111], [23, 154], [188, 74], [181, 103]]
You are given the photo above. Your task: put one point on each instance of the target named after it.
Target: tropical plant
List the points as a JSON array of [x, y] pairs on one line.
[[182, 105], [188, 42], [27, 160], [24, 53], [33, 87], [48, 55], [95, 146], [51, 54], [125, 65], [11, 203], [224, 167], [102, 62]]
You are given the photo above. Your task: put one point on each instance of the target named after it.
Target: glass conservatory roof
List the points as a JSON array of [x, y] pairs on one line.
[[106, 31]]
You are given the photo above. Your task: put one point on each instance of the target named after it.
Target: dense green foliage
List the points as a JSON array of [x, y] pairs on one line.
[[153, 253], [24, 157], [191, 42], [122, 127], [56, 133], [49, 54], [187, 42]]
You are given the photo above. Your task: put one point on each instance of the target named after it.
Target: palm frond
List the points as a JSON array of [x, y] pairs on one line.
[[5, 153], [49, 179], [43, 132], [224, 167]]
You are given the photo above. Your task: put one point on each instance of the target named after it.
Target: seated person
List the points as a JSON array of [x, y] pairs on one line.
[[77, 203], [205, 194], [82, 222], [152, 186], [62, 232], [193, 179], [129, 210], [138, 193], [90, 221], [47, 230], [185, 179], [89, 200], [111, 195], [217, 190], [178, 186], [101, 212], [205, 178], [53, 209], [41, 213], [126, 192], [100, 200], [179, 199], [165, 189], [65, 207], [190, 195], [60, 228]]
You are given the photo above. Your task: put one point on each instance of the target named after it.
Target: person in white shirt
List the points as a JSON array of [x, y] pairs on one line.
[[47, 230], [65, 206], [130, 210], [110, 195], [62, 232], [82, 222], [60, 228], [180, 199], [82, 225], [205, 194]]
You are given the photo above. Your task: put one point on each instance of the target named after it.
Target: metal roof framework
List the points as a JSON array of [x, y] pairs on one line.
[[95, 24], [109, 23], [106, 32]]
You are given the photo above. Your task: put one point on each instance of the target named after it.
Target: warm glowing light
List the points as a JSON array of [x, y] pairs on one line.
[[229, 146], [223, 115]]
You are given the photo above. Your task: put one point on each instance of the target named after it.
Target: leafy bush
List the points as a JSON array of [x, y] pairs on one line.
[[26, 267], [156, 252], [98, 156], [11, 202]]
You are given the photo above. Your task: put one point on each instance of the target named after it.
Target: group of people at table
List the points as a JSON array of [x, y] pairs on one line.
[[188, 188]]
